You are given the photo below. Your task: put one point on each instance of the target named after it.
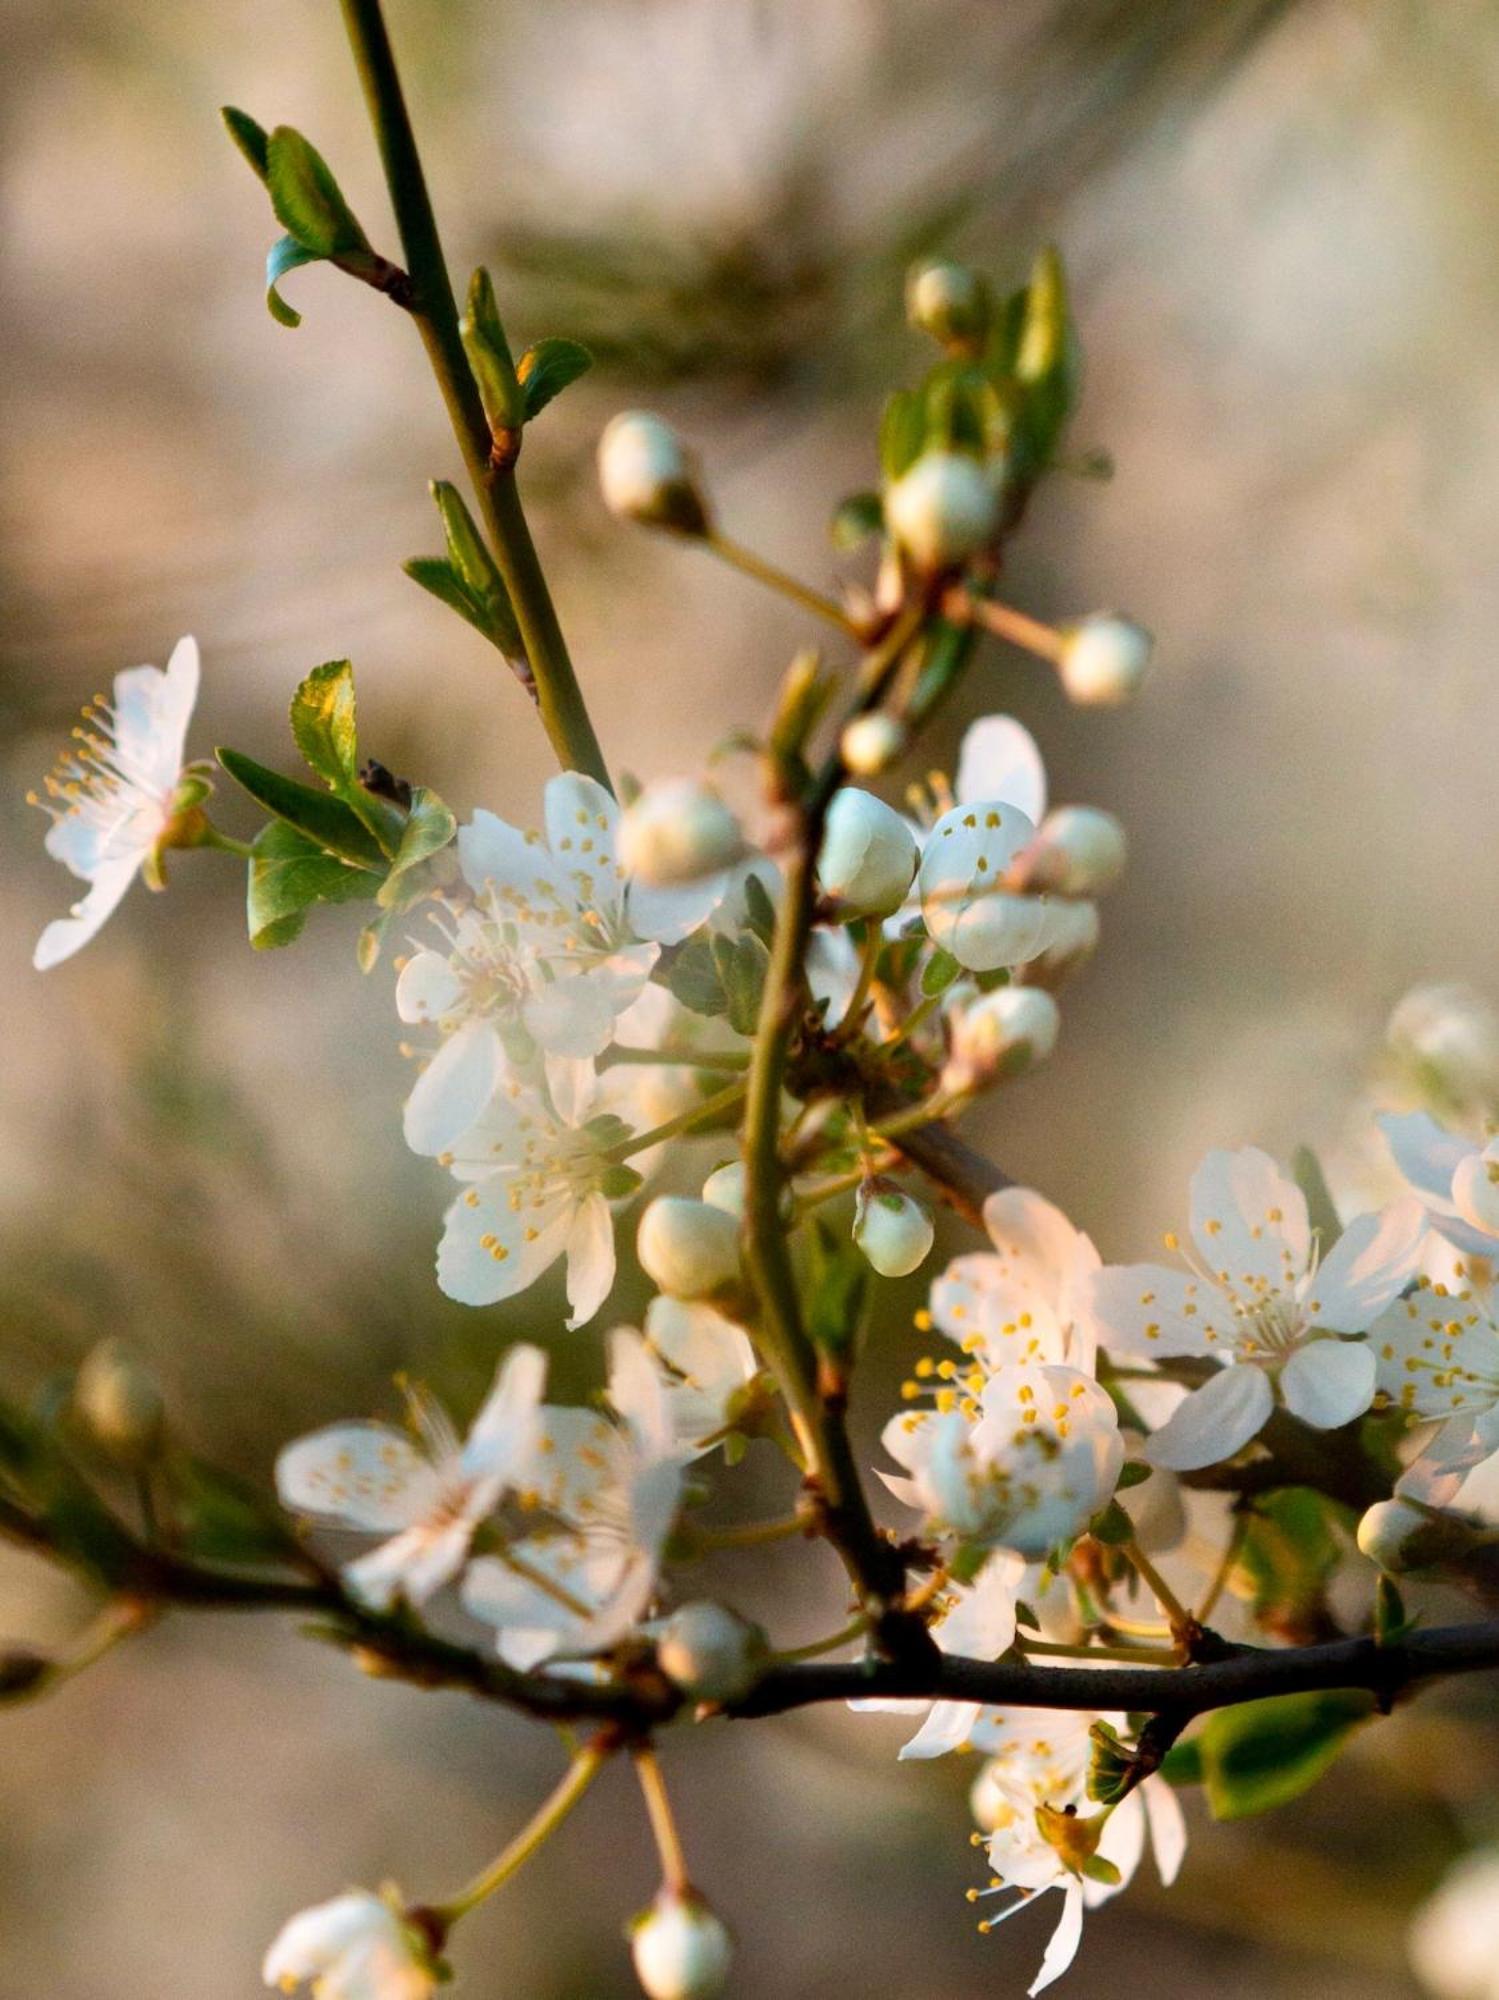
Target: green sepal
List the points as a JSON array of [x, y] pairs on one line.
[[855, 519], [692, 977], [1112, 1526], [327, 821], [548, 368], [939, 972], [1134, 1472], [742, 964], [759, 910]]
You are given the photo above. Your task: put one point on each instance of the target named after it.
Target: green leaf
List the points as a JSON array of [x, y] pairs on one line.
[[285, 255], [488, 352], [470, 582], [250, 137], [308, 201], [837, 1290], [939, 972], [1306, 1171], [855, 520], [288, 873], [1112, 1527], [223, 1520], [692, 977], [429, 828], [742, 964], [327, 822], [1263, 1754], [759, 910], [1291, 1549], [548, 368], [1133, 1473], [902, 433], [322, 721]]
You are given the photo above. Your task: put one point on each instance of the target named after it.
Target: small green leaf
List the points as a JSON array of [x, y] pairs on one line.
[[742, 964], [692, 977], [837, 1290], [1262, 1754], [856, 519], [472, 585], [328, 822], [223, 1520], [322, 721], [488, 354], [251, 138], [759, 910], [1113, 1526], [1290, 1552], [289, 873], [429, 828], [902, 433], [548, 368], [308, 201], [287, 254], [1322, 1213], [939, 972], [1133, 1473]]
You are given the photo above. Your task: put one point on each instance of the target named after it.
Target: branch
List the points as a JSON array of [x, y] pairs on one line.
[[564, 713]]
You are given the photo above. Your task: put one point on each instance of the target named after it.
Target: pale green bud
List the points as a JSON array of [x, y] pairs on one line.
[[869, 855], [948, 301], [678, 831], [644, 475], [119, 1403], [999, 1034], [1104, 659], [872, 743], [682, 1951], [689, 1248], [893, 1230], [942, 511], [711, 1653]]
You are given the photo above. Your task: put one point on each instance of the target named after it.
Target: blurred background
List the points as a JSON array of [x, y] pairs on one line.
[[1280, 220]]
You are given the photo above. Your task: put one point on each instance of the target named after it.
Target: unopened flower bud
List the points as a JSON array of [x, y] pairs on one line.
[[1077, 851], [948, 301], [1450, 1034], [1103, 659], [942, 511], [644, 474], [119, 1403], [712, 1653], [871, 744], [894, 1231], [869, 854], [724, 1188], [689, 1248], [1000, 1034], [681, 1949], [678, 831], [1074, 940], [1400, 1536]]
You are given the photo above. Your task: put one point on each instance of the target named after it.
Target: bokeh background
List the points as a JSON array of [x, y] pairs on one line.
[[1280, 219]]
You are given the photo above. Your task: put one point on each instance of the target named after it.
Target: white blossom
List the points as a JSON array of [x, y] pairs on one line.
[[690, 1248], [539, 1181], [607, 1493], [555, 945], [1026, 1299], [1454, 1940], [868, 855], [942, 510], [352, 1948], [994, 1034], [1031, 1800], [1259, 1298], [706, 1362], [113, 794], [892, 1228], [427, 1495], [1456, 1181]]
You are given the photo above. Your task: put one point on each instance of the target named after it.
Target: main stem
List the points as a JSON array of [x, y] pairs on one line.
[[564, 714]]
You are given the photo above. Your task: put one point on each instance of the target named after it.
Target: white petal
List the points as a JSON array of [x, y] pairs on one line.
[[1214, 1422], [412, 1565], [428, 987], [1249, 1219], [1475, 1189], [502, 1437], [570, 1016], [311, 1940], [1151, 1310], [668, 914], [1065, 1939], [579, 810], [946, 1727], [1367, 1267], [966, 855], [490, 1251], [1168, 1827], [367, 1476], [453, 1092], [1427, 1155], [1000, 760], [65, 935], [590, 1259], [1329, 1382]]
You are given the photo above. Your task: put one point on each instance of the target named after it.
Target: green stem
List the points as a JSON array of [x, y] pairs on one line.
[[749, 564], [579, 1775], [721, 1100], [674, 1874], [564, 714], [855, 1629], [727, 1061], [225, 843]]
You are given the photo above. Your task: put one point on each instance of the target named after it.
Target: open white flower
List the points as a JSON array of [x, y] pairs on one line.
[[706, 1361], [352, 1948], [553, 948], [970, 881], [1031, 1800], [113, 794], [1022, 1465], [607, 1494], [978, 1622], [1437, 1355], [540, 1181], [429, 1495], [1259, 1298], [1456, 1181], [1027, 1298]]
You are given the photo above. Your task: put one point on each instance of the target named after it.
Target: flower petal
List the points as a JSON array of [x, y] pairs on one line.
[[1065, 1939], [453, 1092], [1151, 1310], [503, 1436], [490, 1251], [1329, 1382], [1214, 1422], [966, 913], [367, 1476], [428, 987], [1168, 1827], [1000, 760], [590, 1259], [1367, 1267], [65, 935], [1249, 1220], [572, 1015]]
